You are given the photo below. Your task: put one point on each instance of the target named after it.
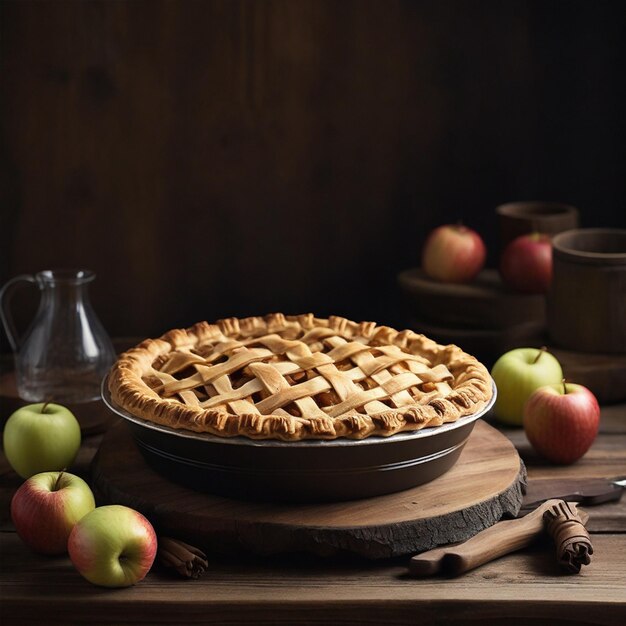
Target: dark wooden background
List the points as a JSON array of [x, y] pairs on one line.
[[221, 158]]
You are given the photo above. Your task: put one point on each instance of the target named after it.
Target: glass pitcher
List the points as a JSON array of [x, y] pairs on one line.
[[66, 352]]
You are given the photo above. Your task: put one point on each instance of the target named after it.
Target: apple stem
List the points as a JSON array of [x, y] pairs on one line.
[[58, 481], [541, 351], [564, 387], [45, 406]]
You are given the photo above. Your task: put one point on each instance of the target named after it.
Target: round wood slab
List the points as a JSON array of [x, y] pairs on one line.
[[485, 484], [483, 303]]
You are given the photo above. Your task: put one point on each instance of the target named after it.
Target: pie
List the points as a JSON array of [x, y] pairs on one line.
[[298, 377]]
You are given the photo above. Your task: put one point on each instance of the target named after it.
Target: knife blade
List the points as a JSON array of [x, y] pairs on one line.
[[586, 491]]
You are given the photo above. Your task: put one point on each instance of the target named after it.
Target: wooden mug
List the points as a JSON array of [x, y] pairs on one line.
[[587, 298], [521, 218]]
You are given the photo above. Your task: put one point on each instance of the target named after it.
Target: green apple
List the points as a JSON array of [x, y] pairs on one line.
[[517, 374], [113, 546], [41, 438]]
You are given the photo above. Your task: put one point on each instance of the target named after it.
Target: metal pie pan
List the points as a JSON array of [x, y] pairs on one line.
[[303, 471]]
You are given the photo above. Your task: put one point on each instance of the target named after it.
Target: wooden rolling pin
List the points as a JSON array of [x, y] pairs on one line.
[[563, 521]]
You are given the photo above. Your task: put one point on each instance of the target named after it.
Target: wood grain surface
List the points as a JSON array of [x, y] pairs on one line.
[[220, 158], [485, 484], [522, 588], [605, 459]]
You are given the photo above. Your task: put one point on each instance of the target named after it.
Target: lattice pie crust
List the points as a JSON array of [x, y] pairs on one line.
[[298, 377]]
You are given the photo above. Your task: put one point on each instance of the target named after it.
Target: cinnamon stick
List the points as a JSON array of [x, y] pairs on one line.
[[573, 544], [187, 560]]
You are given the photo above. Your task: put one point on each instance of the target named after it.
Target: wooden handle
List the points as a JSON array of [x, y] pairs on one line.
[[489, 544]]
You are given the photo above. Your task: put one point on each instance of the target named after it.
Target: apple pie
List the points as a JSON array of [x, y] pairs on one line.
[[298, 377]]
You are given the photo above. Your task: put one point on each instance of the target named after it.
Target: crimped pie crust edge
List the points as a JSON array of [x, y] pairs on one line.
[[471, 385]]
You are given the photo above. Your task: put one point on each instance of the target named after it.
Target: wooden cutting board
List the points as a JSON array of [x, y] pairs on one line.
[[485, 484]]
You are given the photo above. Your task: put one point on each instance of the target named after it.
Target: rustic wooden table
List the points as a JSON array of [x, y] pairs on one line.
[[522, 588]]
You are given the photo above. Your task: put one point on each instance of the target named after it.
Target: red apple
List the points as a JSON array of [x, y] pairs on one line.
[[113, 546], [561, 421], [526, 263], [46, 507], [453, 254]]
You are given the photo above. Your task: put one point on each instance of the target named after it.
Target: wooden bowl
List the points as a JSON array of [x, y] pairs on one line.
[[484, 303], [521, 218], [587, 299]]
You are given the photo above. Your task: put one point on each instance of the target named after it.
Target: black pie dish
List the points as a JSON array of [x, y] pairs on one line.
[[302, 471]]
